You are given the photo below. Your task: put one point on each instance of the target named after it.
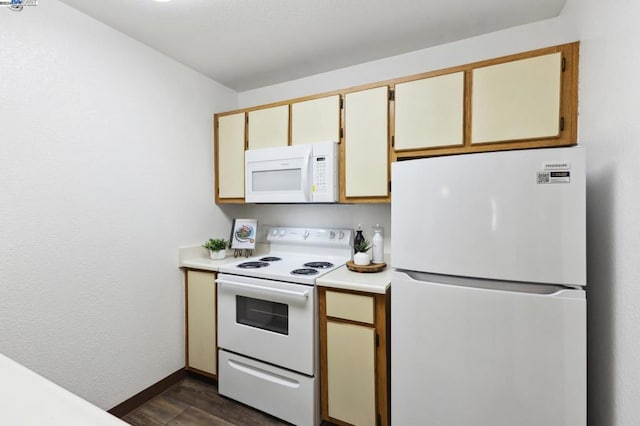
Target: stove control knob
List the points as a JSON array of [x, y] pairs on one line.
[[282, 232], [332, 235], [274, 231], [340, 235]]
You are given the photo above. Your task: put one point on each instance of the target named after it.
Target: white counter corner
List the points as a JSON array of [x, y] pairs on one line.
[[196, 257], [30, 399], [369, 282]]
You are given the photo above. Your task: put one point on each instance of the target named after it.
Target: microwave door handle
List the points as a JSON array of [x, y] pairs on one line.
[[306, 178]]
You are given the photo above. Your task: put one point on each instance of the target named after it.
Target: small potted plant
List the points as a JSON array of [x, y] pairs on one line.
[[362, 257], [217, 248]]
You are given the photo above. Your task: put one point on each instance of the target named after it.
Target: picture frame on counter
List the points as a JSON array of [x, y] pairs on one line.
[[243, 234]]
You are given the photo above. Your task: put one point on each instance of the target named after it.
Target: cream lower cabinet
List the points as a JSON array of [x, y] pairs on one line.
[[201, 340], [354, 357]]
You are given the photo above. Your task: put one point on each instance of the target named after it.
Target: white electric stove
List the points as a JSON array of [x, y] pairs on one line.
[[268, 321], [297, 255]]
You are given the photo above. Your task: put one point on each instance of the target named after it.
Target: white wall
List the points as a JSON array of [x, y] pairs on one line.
[[337, 216], [609, 128], [105, 170]]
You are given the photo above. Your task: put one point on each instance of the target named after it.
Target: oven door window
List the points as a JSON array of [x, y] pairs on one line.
[[263, 314]]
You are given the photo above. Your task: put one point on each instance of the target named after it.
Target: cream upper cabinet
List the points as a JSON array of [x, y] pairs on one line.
[[201, 321], [230, 156], [315, 120], [429, 112], [269, 127], [517, 100], [366, 146]]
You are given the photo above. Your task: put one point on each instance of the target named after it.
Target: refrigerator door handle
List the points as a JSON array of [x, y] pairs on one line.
[[540, 290]]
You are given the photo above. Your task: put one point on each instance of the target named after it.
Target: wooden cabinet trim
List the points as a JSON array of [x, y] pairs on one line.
[[186, 319], [383, 356], [216, 167], [290, 129], [322, 323], [486, 147], [353, 322], [468, 88]]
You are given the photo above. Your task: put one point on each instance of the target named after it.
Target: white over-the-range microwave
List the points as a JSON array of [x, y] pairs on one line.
[[292, 174]]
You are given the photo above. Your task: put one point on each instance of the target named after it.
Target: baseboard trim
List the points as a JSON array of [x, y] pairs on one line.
[[149, 393]]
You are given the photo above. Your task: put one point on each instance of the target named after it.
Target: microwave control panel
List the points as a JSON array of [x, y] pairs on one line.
[[324, 170], [320, 174]]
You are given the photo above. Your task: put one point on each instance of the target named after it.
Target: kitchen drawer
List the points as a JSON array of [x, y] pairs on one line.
[[282, 393], [349, 306]]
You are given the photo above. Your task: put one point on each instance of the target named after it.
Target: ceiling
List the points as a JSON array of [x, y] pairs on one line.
[[245, 44]]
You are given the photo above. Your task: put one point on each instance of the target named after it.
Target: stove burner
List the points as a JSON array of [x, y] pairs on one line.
[[304, 271], [270, 259], [319, 265], [253, 265]]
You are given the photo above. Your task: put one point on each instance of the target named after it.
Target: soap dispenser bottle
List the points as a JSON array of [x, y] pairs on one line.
[[377, 242]]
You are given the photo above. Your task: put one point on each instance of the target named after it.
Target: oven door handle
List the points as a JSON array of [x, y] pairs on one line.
[[297, 295]]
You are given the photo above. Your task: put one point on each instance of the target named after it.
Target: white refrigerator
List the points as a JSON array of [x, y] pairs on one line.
[[488, 307]]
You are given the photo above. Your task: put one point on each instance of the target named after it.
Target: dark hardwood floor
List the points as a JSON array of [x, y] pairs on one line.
[[194, 401]]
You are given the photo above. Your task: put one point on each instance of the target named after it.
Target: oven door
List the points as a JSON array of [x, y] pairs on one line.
[[272, 321], [278, 175]]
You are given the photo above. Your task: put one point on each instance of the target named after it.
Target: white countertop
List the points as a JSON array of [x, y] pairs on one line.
[[206, 264], [198, 258], [29, 399], [371, 282]]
